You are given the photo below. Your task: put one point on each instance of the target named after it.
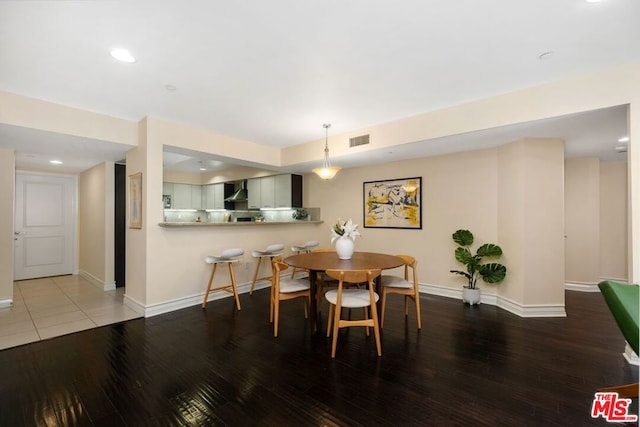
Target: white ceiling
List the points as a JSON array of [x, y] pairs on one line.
[[273, 72]]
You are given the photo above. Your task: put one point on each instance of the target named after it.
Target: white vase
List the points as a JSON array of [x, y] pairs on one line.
[[344, 247]]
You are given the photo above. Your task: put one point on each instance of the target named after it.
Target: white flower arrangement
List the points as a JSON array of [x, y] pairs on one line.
[[344, 229]]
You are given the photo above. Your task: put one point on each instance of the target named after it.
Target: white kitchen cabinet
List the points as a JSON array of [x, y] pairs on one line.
[[254, 196], [167, 189], [277, 191], [181, 196], [215, 195], [268, 192], [288, 191], [196, 196]]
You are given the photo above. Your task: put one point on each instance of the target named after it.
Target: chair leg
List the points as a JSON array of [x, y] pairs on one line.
[[255, 276], [329, 320], [376, 329], [271, 302], [206, 294], [304, 306], [416, 299], [406, 305], [366, 317], [336, 328], [276, 304], [383, 306], [234, 286]]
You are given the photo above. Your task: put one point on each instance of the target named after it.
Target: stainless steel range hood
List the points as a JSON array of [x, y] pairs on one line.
[[238, 196]]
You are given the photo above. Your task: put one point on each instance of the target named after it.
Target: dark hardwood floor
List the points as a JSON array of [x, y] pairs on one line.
[[469, 366]]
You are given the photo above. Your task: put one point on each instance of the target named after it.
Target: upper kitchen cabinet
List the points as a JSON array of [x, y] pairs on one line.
[[215, 195], [254, 196], [288, 191], [278, 191], [196, 197], [267, 192], [182, 196]]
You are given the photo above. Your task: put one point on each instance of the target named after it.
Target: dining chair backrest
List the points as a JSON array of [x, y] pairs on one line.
[[409, 262], [354, 276], [277, 266]]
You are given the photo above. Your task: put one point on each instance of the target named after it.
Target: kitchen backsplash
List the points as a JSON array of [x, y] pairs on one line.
[[288, 215]]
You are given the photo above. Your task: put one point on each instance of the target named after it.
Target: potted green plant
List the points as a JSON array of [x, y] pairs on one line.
[[489, 272]]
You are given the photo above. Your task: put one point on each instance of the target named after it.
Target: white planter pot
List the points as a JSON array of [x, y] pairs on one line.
[[344, 247], [471, 296]]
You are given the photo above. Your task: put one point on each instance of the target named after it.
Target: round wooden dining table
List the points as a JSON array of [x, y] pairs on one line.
[[317, 262]]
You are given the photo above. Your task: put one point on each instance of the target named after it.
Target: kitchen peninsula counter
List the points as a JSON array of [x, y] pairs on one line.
[[234, 224]]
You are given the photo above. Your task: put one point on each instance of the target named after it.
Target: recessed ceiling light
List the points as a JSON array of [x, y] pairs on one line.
[[624, 139], [55, 162], [593, 1], [122, 55], [546, 55], [203, 169]]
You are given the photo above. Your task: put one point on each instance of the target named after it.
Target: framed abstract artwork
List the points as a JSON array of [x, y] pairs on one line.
[[393, 203], [135, 200]]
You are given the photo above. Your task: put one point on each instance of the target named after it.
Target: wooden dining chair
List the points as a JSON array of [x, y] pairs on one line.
[[285, 288], [407, 286], [353, 298]]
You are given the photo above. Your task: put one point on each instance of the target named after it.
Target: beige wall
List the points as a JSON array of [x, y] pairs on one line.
[[613, 220], [96, 223], [136, 241], [512, 196], [7, 189], [595, 220], [42, 115], [530, 222], [582, 220], [453, 197]]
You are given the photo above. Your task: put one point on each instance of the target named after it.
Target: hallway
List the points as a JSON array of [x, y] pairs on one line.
[[53, 306]]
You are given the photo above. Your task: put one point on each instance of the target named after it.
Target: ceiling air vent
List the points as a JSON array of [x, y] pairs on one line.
[[358, 140]]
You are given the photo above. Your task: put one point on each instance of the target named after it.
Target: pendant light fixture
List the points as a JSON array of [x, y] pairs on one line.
[[326, 171]]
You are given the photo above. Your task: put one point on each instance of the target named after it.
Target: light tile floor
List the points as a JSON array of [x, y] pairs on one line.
[[54, 306]]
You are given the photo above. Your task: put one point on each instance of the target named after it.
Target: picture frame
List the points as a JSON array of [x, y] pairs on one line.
[[393, 203], [135, 200]]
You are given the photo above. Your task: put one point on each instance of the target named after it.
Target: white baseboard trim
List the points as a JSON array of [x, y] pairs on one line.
[[104, 286], [630, 355], [615, 279], [134, 305], [532, 310], [180, 303], [581, 287], [6, 303], [538, 310]]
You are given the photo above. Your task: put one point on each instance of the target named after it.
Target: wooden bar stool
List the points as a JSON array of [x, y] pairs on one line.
[[229, 257], [270, 252]]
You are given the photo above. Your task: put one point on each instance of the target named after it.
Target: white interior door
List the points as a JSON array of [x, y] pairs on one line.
[[44, 225]]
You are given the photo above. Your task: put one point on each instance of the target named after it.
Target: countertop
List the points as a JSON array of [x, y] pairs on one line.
[[234, 224]]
